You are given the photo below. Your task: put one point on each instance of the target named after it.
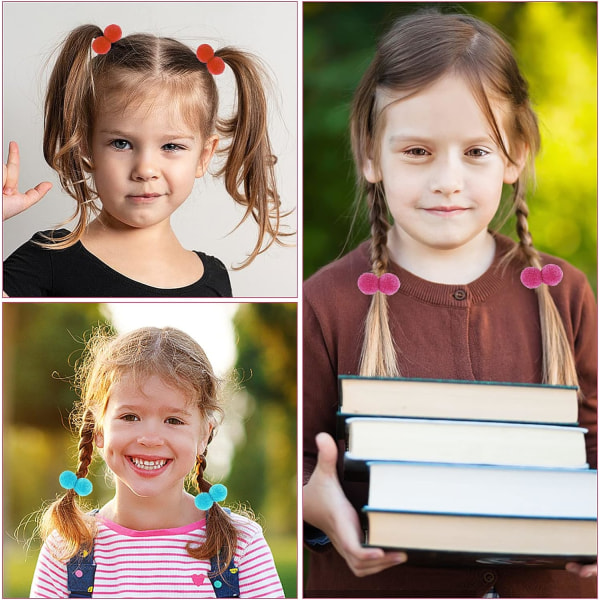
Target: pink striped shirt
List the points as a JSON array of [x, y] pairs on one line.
[[155, 564]]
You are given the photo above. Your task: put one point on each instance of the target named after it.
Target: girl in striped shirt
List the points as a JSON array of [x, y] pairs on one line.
[[148, 402]]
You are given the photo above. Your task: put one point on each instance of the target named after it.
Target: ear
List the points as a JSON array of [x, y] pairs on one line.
[[99, 439], [207, 429], [371, 171], [512, 171], [206, 155]]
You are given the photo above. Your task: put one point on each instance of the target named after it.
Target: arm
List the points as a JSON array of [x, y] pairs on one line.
[[258, 574], [50, 577], [14, 202], [325, 506]]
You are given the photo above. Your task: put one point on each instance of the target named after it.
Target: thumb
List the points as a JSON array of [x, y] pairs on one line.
[[328, 453]]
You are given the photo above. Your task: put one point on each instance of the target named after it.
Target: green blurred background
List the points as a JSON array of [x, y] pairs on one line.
[[556, 47], [41, 342]]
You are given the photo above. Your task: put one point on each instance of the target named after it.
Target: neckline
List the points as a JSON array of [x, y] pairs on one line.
[[150, 532], [80, 247], [476, 291]]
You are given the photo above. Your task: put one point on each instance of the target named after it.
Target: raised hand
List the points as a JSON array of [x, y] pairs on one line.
[[325, 506], [14, 202]]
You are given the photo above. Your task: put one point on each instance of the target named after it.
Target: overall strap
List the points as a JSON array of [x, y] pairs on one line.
[[81, 570], [227, 583]]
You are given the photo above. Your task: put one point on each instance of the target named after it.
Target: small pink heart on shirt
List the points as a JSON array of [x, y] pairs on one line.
[[198, 579]]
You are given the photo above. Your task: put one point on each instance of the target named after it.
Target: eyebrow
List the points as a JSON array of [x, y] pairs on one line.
[[172, 410], [409, 137], [178, 135]]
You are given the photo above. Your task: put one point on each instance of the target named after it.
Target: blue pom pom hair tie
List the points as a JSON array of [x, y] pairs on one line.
[[81, 486], [205, 500]]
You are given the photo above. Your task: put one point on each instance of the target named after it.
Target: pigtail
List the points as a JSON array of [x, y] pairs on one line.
[[76, 528], [558, 362], [249, 173], [67, 124], [378, 355], [221, 534]]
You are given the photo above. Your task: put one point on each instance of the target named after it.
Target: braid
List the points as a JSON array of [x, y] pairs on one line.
[[378, 356], [221, 534], [76, 528], [558, 362]]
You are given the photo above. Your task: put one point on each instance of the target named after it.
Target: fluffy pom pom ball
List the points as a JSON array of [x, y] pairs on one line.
[[83, 487], [101, 45], [389, 284], [531, 277], [113, 33], [368, 283], [204, 53], [552, 274], [218, 492], [67, 479]]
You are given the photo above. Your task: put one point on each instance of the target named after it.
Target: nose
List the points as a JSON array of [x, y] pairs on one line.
[[146, 167], [150, 437], [447, 176]]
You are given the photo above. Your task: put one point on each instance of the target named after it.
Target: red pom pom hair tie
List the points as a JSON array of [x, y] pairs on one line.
[[214, 64], [102, 44], [531, 277], [369, 283]]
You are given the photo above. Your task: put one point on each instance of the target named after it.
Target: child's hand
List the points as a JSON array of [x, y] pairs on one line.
[[582, 570], [14, 202], [325, 506]]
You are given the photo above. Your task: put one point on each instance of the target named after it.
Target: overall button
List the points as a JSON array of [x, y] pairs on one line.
[[460, 295]]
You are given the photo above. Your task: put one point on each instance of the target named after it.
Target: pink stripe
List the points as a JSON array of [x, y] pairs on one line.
[[151, 532]]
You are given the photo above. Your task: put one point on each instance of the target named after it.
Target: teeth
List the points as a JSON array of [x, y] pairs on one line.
[[149, 465]]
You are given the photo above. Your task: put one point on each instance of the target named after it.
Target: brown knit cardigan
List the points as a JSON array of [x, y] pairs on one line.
[[486, 330]]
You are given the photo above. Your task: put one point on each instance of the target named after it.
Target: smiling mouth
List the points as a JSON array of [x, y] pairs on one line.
[[148, 465]]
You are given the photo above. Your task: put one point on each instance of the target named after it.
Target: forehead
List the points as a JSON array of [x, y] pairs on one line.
[[447, 107], [148, 391], [158, 111]]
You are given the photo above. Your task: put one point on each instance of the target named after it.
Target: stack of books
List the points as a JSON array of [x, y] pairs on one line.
[[475, 472]]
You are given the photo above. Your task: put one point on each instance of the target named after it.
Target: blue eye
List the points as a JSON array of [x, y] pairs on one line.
[[120, 144]]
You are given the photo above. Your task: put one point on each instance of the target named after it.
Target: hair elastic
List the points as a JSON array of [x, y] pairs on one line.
[[214, 64], [80, 485], [532, 277], [102, 44], [369, 283], [216, 493]]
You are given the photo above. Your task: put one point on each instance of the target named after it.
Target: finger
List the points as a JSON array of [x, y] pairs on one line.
[[327, 457], [11, 183], [36, 194], [364, 568]]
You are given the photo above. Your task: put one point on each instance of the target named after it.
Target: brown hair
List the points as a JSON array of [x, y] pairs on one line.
[[181, 363], [417, 51], [80, 84]]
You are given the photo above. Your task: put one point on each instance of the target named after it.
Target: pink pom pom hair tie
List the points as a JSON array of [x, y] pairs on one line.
[[214, 64], [102, 44], [531, 277], [369, 283]]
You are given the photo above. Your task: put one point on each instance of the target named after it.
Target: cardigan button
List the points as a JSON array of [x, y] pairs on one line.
[[459, 294], [489, 577]]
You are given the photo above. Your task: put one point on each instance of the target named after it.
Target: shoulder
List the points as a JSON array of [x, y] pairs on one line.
[[339, 276], [247, 528], [215, 274]]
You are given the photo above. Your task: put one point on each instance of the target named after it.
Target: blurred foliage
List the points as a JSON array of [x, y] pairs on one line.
[[266, 364], [555, 44], [40, 339]]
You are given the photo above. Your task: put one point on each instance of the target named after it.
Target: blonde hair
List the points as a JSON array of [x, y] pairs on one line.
[[178, 361], [418, 50], [80, 84]]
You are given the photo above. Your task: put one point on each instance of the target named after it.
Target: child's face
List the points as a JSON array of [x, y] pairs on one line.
[[441, 169], [150, 438], [145, 160]]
